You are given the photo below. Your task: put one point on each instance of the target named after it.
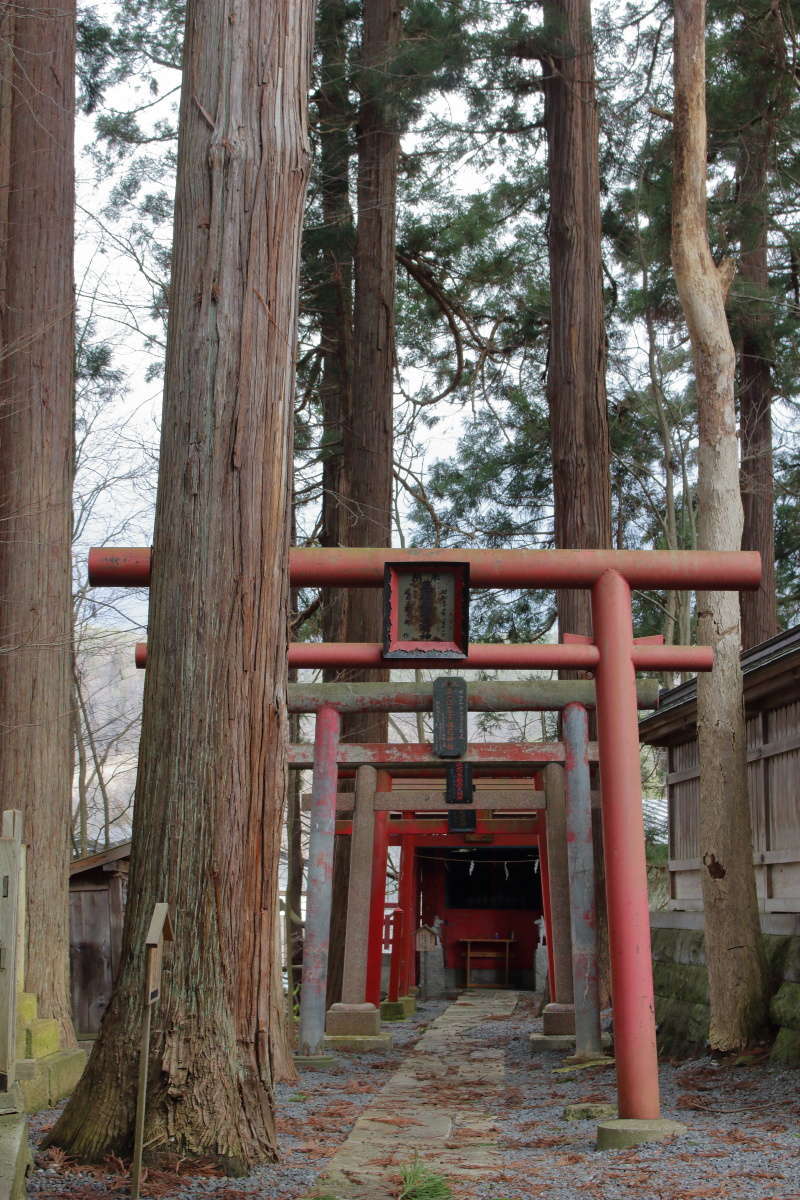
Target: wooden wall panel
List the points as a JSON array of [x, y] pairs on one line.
[[773, 780], [91, 970]]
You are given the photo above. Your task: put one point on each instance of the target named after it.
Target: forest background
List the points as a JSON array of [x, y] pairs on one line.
[[471, 444]]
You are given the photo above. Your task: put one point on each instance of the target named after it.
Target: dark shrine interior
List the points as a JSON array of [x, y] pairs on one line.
[[495, 878], [483, 892]]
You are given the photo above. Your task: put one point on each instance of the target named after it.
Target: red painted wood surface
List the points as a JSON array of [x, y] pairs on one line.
[[340, 567], [519, 656], [380, 847]]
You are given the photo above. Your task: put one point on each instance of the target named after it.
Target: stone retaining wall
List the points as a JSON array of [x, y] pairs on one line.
[[681, 986]]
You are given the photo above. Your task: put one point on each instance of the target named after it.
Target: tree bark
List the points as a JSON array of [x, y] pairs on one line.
[[734, 951], [37, 115], [756, 321], [576, 386], [212, 771], [335, 294], [368, 434], [368, 430], [576, 370]]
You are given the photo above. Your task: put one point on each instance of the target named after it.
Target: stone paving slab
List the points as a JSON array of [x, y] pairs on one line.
[[410, 1117]]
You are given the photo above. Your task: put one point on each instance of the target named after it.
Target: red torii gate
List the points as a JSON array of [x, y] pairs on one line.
[[612, 654]]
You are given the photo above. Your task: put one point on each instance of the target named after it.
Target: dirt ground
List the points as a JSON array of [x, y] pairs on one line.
[[504, 1134]]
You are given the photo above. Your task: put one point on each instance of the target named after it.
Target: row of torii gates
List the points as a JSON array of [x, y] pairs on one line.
[[426, 605]]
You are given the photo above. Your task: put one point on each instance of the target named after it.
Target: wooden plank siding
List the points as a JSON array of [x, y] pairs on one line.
[[771, 674], [91, 965], [97, 898], [773, 779]]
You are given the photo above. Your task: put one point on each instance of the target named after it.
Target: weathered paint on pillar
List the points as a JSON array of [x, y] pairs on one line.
[[623, 842], [377, 903], [356, 942], [320, 881], [544, 877], [580, 858], [561, 983], [396, 961], [406, 891]]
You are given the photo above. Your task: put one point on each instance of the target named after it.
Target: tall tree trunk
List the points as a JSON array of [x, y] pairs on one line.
[[335, 294], [368, 441], [212, 770], [336, 115], [368, 434], [37, 95], [576, 371], [8, 11], [756, 320], [576, 386], [734, 951]]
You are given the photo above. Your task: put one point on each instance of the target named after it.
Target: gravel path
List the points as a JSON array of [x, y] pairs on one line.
[[742, 1141], [314, 1117], [499, 1133]]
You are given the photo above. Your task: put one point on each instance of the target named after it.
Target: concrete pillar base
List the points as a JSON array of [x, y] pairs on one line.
[[314, 1062], [552, 1041], [358, 1043], [352, 1020], [566, 1041], [558, 1019], [616, 1135], [409, 1003], [605, 1043], [393, 1010]]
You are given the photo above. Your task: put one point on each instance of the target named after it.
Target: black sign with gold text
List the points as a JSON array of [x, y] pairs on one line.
[[449, 717]]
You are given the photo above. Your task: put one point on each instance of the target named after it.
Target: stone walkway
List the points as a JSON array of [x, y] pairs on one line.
[[428, 1108]]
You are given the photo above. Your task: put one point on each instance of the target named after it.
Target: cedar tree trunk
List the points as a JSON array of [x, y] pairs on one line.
[[576, 372], [734, 951], [755, 317], [368, 431], [576, 385], [37, 116], [335, 294], [212, 770], [368, 434]]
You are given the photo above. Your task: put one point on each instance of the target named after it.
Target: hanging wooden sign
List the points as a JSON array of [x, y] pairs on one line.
[[461, 820], [458, 784], [449, 717], [160, 931], [426, 610]]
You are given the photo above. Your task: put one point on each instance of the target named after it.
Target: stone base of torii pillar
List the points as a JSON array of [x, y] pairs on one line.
[[355, 1027], [558, 1020]]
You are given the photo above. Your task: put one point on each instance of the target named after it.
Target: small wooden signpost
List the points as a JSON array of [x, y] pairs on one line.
[[11, 851], [160, 931]]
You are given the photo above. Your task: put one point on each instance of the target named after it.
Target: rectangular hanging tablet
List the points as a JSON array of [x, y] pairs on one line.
[[458, 784], [461, 820], [449, 717], [426, 610]]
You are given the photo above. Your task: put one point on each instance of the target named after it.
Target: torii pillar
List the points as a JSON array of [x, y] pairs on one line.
[[355, 1024], [558, 1018]]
